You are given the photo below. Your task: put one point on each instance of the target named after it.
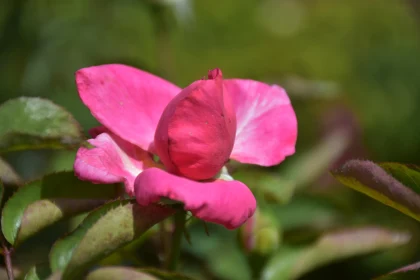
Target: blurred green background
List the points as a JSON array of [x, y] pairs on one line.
[[352, 66]]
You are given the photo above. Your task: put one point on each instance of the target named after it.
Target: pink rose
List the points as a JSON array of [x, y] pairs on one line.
[[194, 131]]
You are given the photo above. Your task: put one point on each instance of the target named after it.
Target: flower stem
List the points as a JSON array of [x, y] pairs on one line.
[[7, 259], [179, 221]]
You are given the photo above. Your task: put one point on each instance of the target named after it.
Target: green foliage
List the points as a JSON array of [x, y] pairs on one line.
[[123, 273], [306, 167], [104, 230], [298, 172], [126, 273], [291, 263], [36, 123], [165, 275], [8, 174], [43, 202], [394, 184], [38, 272]]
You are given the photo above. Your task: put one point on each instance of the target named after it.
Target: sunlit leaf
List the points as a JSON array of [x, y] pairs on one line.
[[35, 123], [291, 263], [104, 230], [410, 272], [38, 272], [43, 202], [394, 184], [8, 175]]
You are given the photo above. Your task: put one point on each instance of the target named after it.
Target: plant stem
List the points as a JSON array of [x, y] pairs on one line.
[[7, 259], [179, 221]]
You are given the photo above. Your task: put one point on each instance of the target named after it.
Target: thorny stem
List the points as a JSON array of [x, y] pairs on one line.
[[8, 259], [179, 221]]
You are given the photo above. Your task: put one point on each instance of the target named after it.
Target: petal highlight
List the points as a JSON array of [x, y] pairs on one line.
[[229, 203], [196, 132], [266, 122], [111, 160], [128, 101]]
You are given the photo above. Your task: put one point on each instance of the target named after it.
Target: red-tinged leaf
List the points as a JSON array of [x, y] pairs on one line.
[[394, 184]]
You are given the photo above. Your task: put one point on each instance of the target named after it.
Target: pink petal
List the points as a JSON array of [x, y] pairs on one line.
[[266, 123], [112, 160], [229, 203], [195, 134], [126, 100]]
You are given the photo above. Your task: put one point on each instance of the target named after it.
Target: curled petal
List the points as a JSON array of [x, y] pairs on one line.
[[229, 203], [111, 160], [195, 134], [266, 123], [128, 101]]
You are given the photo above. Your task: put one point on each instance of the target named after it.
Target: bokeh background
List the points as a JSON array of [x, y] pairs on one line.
[[351, 68]]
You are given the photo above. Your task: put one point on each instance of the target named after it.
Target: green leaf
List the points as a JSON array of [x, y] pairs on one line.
[[165, 275], [394, 184], [128, 273], [1, 192], [291, 263], [410, 272], [36, 123], [307, 212], [307, 167], [217, 249], [41, 203], [298, 172], [8, 175], [273, 187], [104, 230], [38, 272], [118, 272]]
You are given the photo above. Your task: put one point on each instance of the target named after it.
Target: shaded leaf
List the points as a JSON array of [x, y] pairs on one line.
[[298, 172], [261, 234], [219, 252], [394, 184], [271, 185], [307, 212], [165, 275], [118, 272], [409, 272], [1, 192], [8, 175], [36, 123], [43, 202], [126, 273], [55, 276], [104, 230], [291, 263], [307, 167], [38, 272]]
